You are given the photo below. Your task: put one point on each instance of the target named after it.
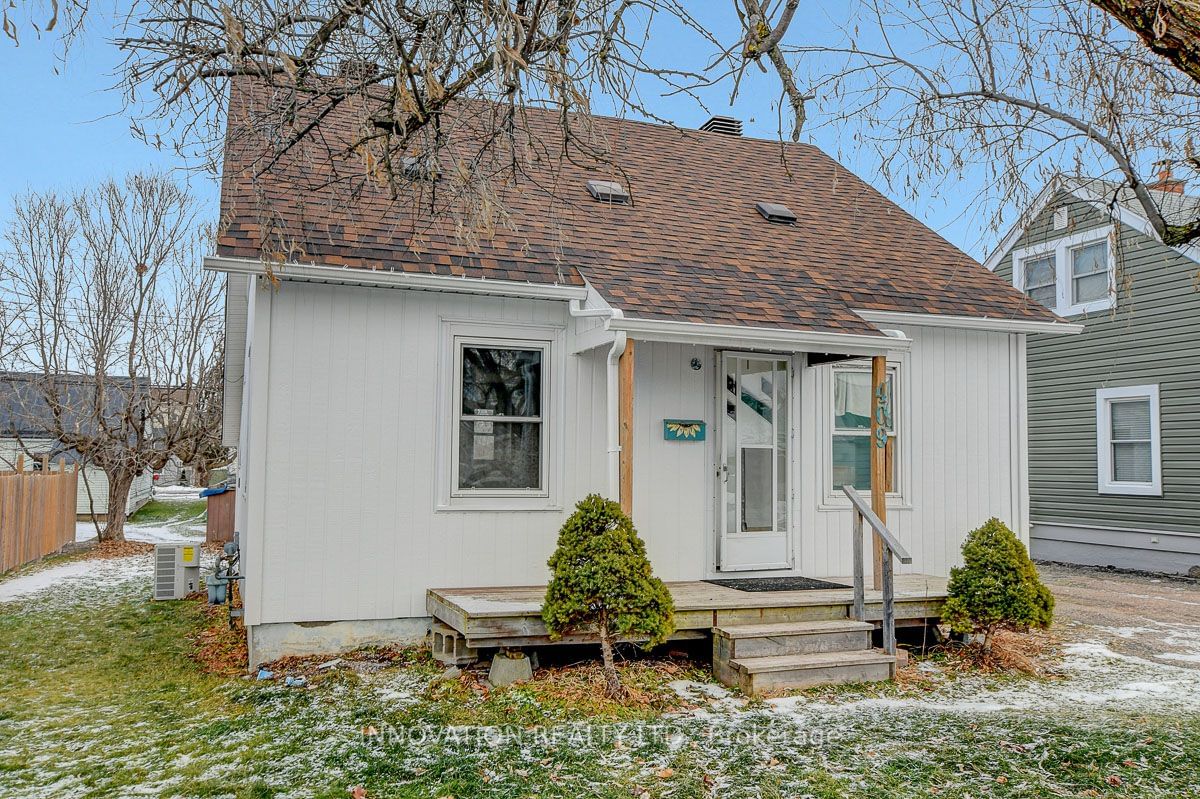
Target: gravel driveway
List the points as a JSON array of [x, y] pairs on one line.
[[1156, 618]]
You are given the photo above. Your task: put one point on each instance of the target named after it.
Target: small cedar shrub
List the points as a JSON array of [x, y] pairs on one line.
[[997, 587], [601, 578]]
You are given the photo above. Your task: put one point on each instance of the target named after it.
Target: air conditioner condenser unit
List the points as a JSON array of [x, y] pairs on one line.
[[176, 570]]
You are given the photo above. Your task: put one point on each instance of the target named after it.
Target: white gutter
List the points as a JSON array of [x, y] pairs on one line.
[[774, 338], [968, 322], [612, 399], [379, 278]]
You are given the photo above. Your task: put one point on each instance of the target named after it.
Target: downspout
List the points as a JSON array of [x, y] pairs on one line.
[[612, 395]]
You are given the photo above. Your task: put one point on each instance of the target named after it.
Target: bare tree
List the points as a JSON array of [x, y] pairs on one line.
[[121, 326], [200, 446], [60, 18], [1171, 28], [1021, 88], [417, 75]]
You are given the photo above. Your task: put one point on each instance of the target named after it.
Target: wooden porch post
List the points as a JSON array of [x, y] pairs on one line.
[[625, 371], [879, 405]]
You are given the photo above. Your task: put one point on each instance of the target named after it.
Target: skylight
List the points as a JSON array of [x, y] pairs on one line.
[[608, 191], [776, 212]]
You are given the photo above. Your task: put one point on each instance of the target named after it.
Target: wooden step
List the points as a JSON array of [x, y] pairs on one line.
[[760, 675], [791, 638]]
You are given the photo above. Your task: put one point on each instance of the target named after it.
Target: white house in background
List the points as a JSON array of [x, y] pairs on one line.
[[415, 412]]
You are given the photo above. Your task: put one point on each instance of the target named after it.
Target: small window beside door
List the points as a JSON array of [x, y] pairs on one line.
[[851, 425], [1128, 446]]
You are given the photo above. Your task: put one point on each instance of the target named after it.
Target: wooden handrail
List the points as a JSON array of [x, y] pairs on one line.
[[892, 548], [863, 507]]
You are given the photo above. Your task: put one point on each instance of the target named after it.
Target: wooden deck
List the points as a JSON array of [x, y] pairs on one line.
[[511, 616]]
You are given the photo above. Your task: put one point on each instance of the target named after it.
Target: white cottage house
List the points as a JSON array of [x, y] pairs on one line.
[[415, 412]]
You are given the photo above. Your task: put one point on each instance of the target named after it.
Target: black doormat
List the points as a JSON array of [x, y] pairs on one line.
[[776, 584]]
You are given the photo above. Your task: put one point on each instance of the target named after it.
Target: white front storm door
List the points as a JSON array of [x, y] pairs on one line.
[[752, 468]]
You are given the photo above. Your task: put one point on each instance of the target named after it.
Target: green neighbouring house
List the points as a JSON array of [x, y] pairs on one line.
[[1114, 413]]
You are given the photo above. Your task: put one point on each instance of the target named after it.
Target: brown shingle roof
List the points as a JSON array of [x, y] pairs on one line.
[[691, 246]]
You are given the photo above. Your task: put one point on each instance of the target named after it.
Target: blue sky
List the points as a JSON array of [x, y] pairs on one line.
[[62, 126]]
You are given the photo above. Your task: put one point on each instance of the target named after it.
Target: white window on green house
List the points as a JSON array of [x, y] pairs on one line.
[[500, 443], [851, 440], [1128, 446], [1040, 282], [1089, 273], [1072, 275]]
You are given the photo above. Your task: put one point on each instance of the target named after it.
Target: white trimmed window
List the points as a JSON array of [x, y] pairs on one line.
[[1040, 282], [500, 443], [1128, 447], [1072, 275], [850, 424]]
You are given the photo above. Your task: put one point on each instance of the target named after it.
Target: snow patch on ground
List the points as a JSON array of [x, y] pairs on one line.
[[1126, 632], [183, 531], [176, 493], [79, 575], [188, 531], [1094, 676], [27, 584]]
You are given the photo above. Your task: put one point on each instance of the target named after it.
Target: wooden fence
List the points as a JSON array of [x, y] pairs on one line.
[[37, 512]]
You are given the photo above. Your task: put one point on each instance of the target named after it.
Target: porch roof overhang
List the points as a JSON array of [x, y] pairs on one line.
[[759, 338]]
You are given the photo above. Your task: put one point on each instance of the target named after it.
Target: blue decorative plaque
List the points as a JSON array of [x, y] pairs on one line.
[[683, 429]]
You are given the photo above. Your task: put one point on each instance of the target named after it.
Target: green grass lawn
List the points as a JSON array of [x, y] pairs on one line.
[[100, 697], [160, 512]]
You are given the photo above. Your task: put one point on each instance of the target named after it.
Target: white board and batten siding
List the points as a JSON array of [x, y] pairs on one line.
[[343, 479], [961, 454], [346, 401], [237, 297]]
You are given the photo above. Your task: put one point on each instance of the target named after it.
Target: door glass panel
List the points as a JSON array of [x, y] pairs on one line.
[[781, 445], [756, 404], [757, 490], [729, 444], [755, 445]]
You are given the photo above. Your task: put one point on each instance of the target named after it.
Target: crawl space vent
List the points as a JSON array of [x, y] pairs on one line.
[[774, 212], [608, 191]]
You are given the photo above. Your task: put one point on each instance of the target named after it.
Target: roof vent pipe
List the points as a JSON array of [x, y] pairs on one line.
[[726, 125]]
